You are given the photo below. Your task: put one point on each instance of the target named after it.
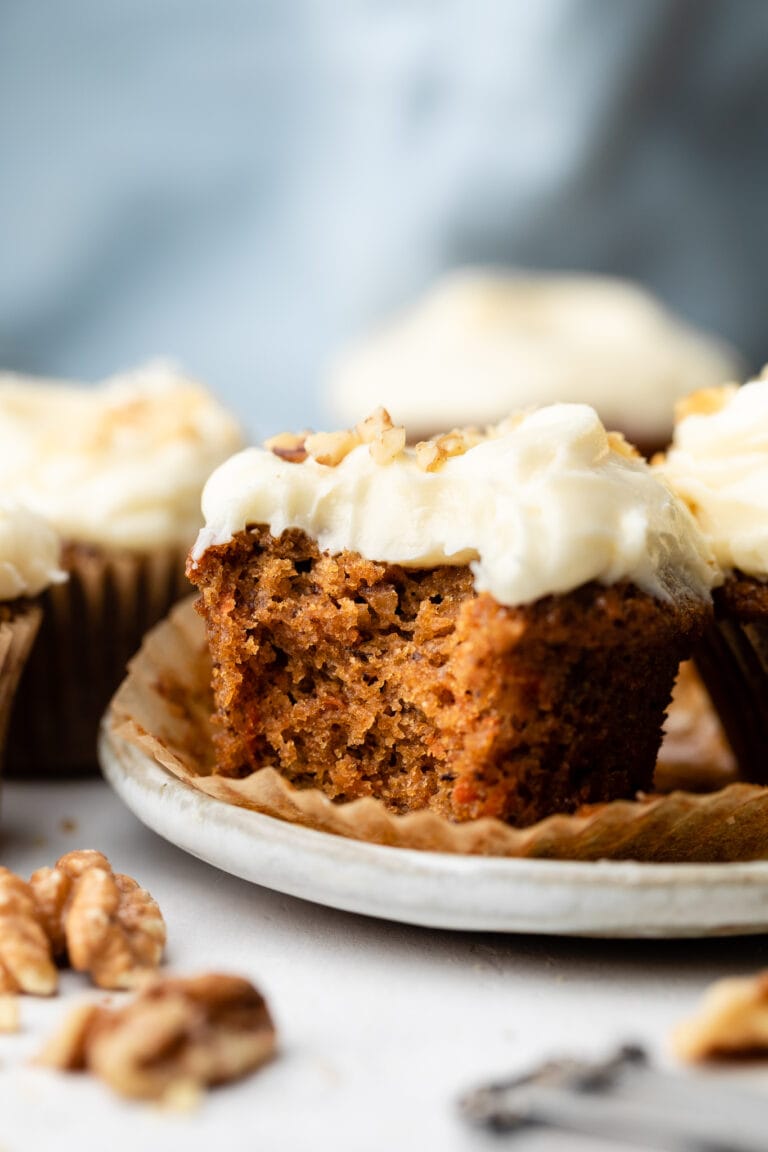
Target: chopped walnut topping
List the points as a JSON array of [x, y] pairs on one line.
[[288, 446], [705, 402], [374, 425], [25, 952], [388, 445], [428, 456], [385, 441], [432, 454], [176, 1037], [453, 443], [104, 922], [618, 443], [330, 448], [732, 1021]]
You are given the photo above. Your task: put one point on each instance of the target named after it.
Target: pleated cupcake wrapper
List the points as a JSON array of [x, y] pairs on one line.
[[92, 625], [695, 755], [733, 661], [163, 708], [17, 636]]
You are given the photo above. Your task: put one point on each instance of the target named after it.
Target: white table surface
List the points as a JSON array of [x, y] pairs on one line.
[[381, 1026]]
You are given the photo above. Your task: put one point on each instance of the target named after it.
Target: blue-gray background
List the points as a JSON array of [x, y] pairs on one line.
[[243, 184]]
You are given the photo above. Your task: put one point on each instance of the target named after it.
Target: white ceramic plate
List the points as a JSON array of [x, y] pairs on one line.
[[438, 890]]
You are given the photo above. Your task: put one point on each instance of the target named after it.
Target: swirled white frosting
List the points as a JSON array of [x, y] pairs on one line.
[[122, 464], [29, 552], [718, 463], [539, 508], [481, 344]]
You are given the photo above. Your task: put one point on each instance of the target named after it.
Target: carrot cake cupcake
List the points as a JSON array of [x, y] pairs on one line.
[[29, 564], [117, 470], [718, 463], [480, 626], [482, 343]]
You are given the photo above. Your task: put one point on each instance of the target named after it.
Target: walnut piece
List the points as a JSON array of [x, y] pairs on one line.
[[432, 454], [619, 444], [67, 1049], [26, 964], [388, 445], [374, 425], [176, 1037], [705, 402], [288, 446], [9, 1014], [732, 1021], [102, 921], [52, 888], [330, 448]]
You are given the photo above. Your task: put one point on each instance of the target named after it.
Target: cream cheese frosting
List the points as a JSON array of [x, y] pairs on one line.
[[541, 505], [121, 464], [718, 464], [481, 344], [29, 553]]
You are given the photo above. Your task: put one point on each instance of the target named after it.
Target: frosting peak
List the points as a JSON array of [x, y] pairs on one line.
[[121, 464], [718, 464], [29, 553], [541, 504]]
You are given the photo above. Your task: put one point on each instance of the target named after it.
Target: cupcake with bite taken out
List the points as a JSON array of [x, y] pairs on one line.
[[483, 625]]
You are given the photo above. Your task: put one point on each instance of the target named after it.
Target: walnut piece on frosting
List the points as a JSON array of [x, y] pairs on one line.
[[104, 922], [704, 402], [330, 448], [619, 444], [385, 440], [288, 446], [432, 454], [388, 445], [26, 964], [372, 426], [177, 1037], [732, 1021]]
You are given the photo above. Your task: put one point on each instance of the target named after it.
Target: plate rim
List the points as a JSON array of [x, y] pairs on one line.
[[130, 770]]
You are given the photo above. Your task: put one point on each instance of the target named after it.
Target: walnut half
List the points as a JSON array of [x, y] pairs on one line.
[[102, 921], [26, 964], [732, 1021], [177, 1034]]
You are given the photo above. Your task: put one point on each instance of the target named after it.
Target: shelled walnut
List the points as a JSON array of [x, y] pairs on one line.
[[102, 921], [26, 964], [177, 1034], [732, 1021]]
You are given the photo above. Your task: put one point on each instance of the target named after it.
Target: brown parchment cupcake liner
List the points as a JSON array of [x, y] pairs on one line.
[[695, 755], [733, 660], [19, 625], [92, 625], [163, 708]]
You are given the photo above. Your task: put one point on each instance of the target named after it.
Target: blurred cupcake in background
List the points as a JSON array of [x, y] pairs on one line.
[[482, 343], [117, 470], [718, 464], [29, 564]]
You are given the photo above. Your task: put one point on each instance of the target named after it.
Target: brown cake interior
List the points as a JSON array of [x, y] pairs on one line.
[[365, 678]]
